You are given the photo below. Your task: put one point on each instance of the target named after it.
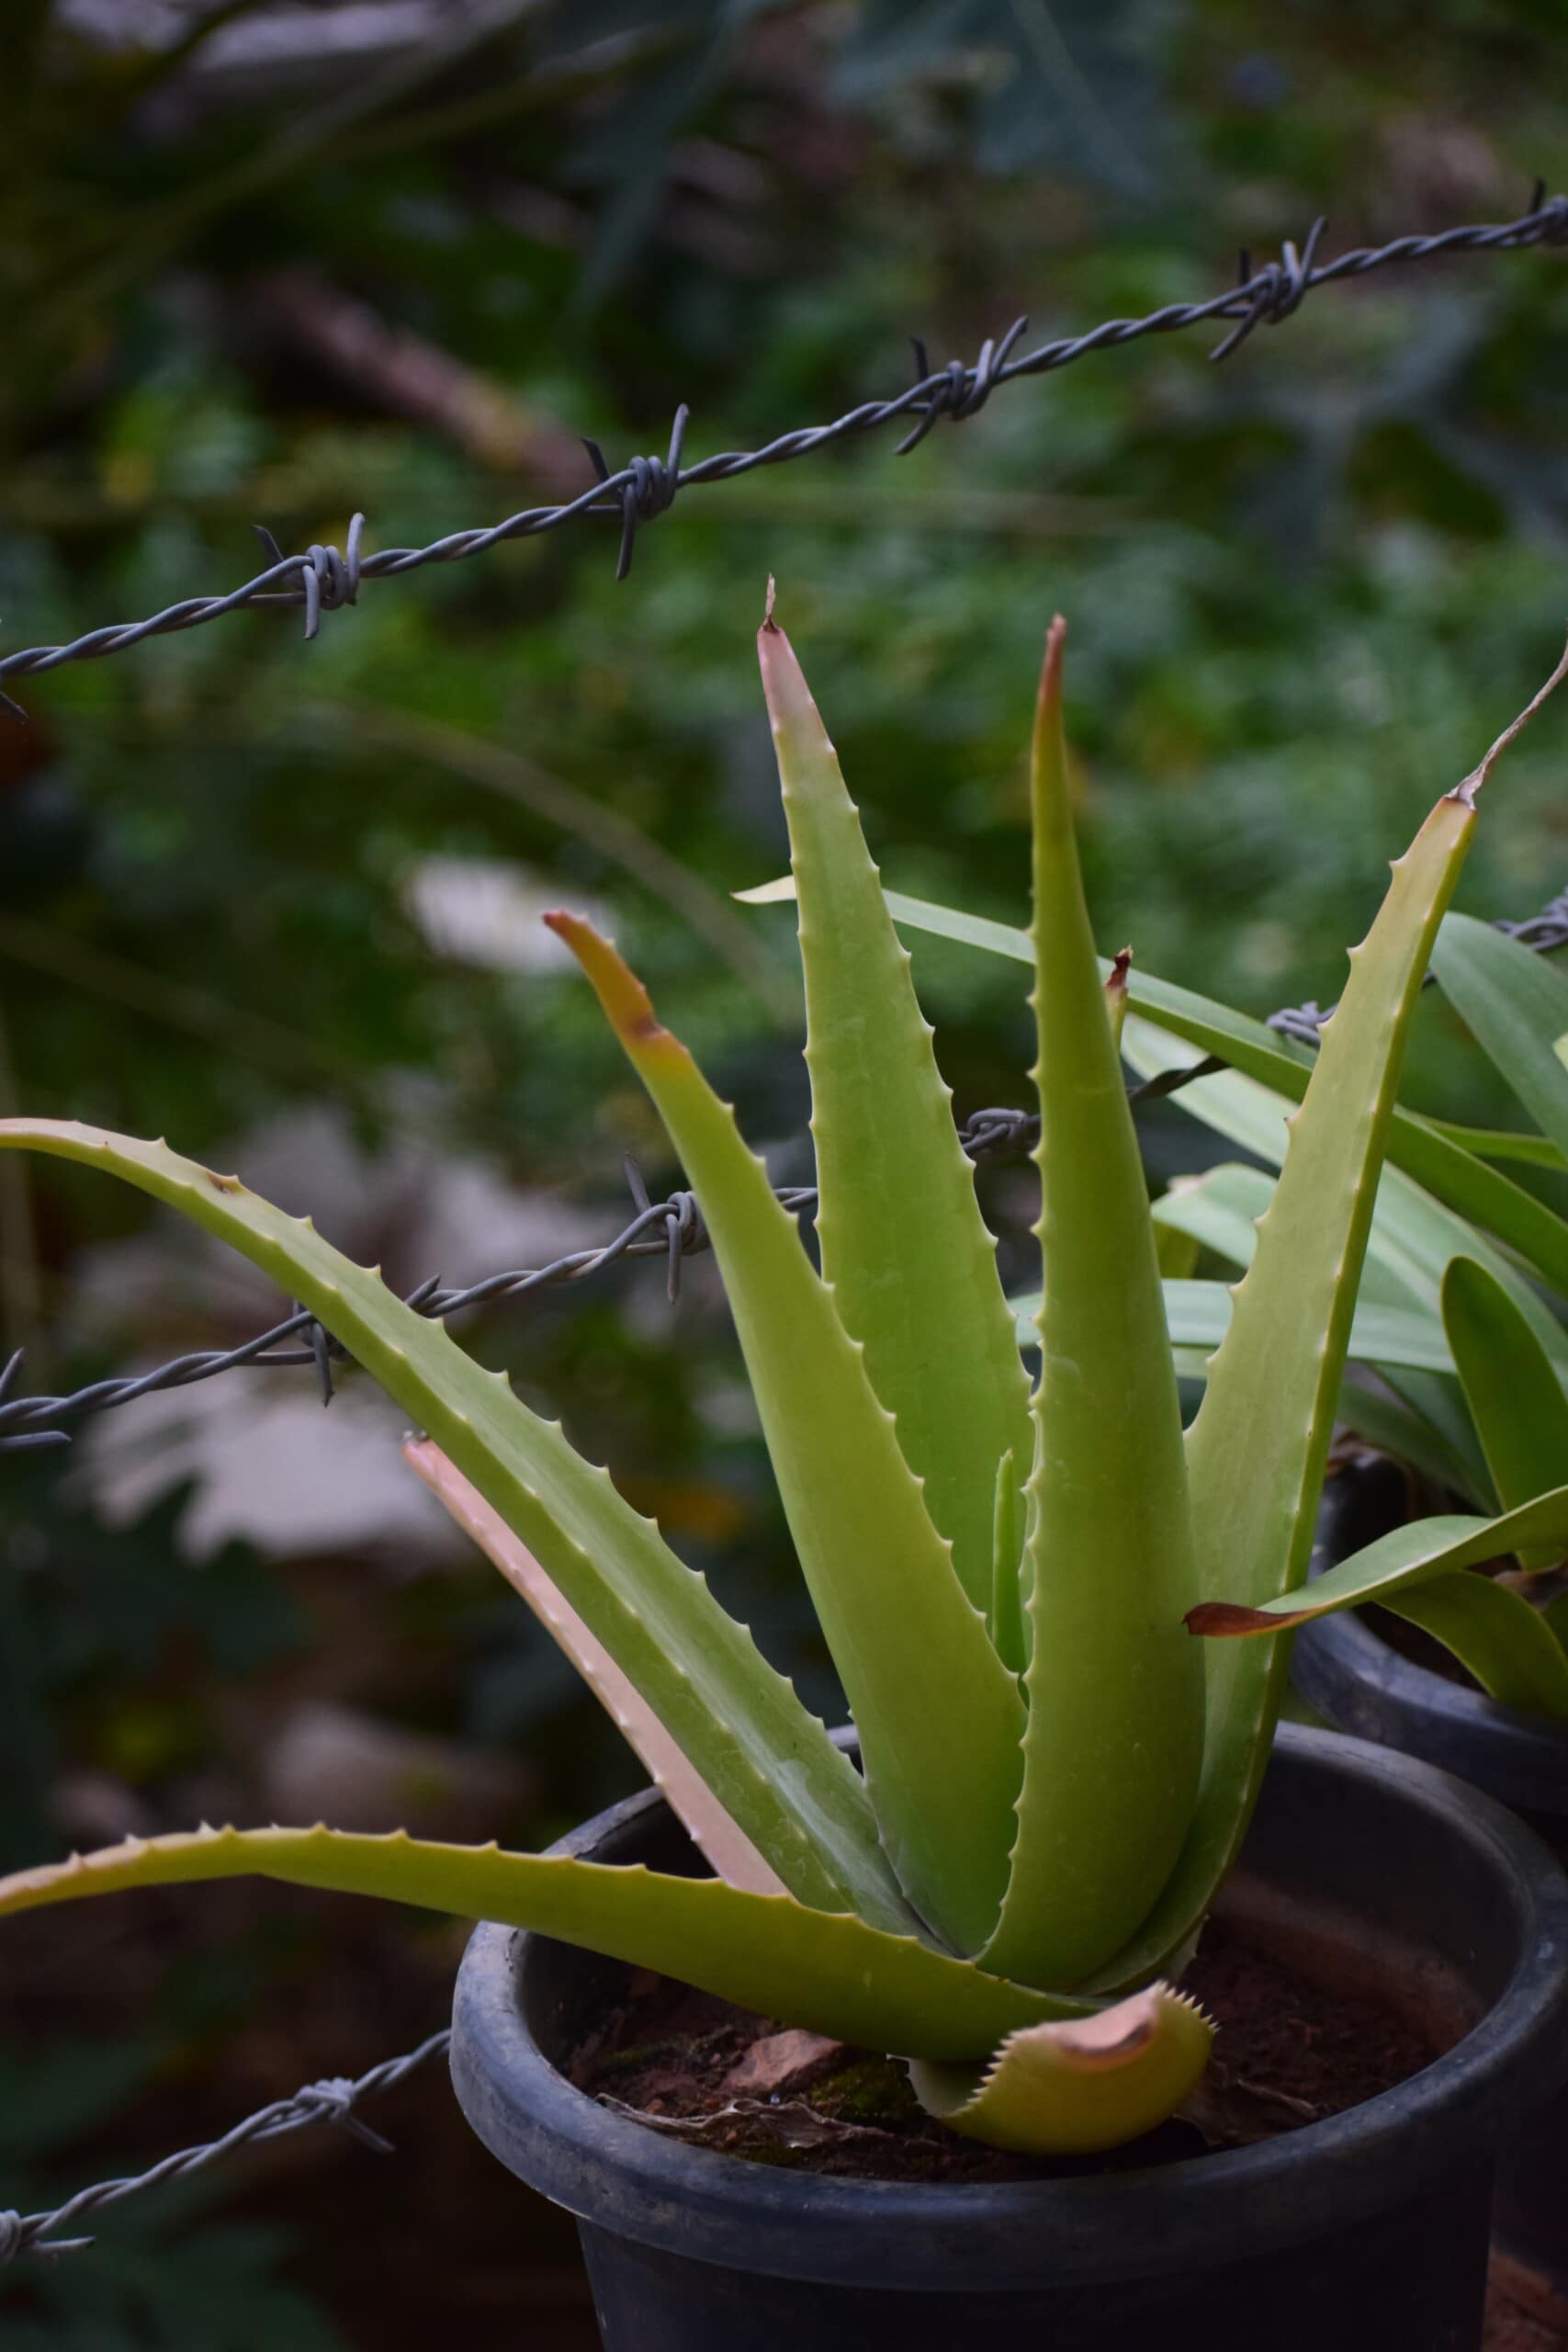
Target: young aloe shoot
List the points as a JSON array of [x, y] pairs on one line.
[[1056, 1777]]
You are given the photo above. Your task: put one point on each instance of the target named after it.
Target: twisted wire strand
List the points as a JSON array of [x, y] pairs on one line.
[[672, 1230], [333, 2100], [325, 580]]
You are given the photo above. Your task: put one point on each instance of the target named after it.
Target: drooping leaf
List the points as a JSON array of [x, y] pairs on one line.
[[1515, 1004], [1382, 1571], [939, 1715], [1515, 1396], [1079, 2089], [903, 1246], [1115, 1728], [726, 1846], [831, 1973], [1422, 1148], [767, 1761], [1507, 1645]]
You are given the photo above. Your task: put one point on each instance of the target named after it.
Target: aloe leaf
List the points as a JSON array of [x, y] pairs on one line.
[[1077, 2088], [831, 1973], [939, 1715], [904, 1248], [1516, 1400], [1115, 1730], [1422, 1148], [729, 1851], [1198, 1315], [1507, 1645], [1516, 1007], [1382, 1571], [767, 1761]]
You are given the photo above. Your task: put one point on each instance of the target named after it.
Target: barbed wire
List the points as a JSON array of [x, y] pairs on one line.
[[673, 1229], [325, 578], [333, 2100]]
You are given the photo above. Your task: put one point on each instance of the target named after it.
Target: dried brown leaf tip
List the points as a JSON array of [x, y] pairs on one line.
[[768, 621]]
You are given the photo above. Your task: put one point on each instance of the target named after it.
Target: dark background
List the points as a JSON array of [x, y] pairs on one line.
[[271, 264]]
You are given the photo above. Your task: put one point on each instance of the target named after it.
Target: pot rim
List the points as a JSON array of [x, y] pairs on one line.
[[1232, 2204]]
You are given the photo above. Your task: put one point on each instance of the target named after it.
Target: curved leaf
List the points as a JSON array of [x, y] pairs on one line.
[[939, 1715], [1079, 2089], [770, 1763], [831, 1973], [1507, 1645], [1406, 1556], [904, 1248], [1198, 1315]]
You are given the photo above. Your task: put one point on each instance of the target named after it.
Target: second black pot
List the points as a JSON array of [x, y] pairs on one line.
[[1365, 2233], [1343, 1667]]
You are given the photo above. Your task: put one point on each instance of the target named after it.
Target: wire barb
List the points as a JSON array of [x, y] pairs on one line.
[[645, 489], [956, 391], [1278, 290]]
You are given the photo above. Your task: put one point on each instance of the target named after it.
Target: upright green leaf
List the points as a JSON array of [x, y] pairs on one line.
[[1515, 1398], [1115, 1731], [1517, 1006], [833, 1974], [939, 1715], [770, 1764], [904, 1248]]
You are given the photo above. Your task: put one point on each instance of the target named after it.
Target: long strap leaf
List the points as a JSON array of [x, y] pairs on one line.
[[1115, 1733], [1515, 1398], [1517, 1005], [769, 1762], [903, 1245], [831, 1973], [939, 1715]]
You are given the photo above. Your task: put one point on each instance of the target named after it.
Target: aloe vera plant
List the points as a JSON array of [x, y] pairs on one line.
[[1056, 1777]]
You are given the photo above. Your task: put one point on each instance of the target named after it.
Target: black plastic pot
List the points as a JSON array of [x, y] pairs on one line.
[[1351, 1676], [1367, 2232]]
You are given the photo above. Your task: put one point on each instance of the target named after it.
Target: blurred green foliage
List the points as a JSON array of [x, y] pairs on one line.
[[1306, 590]]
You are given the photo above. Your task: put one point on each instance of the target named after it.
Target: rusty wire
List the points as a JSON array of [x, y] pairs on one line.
[[325, 578]]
